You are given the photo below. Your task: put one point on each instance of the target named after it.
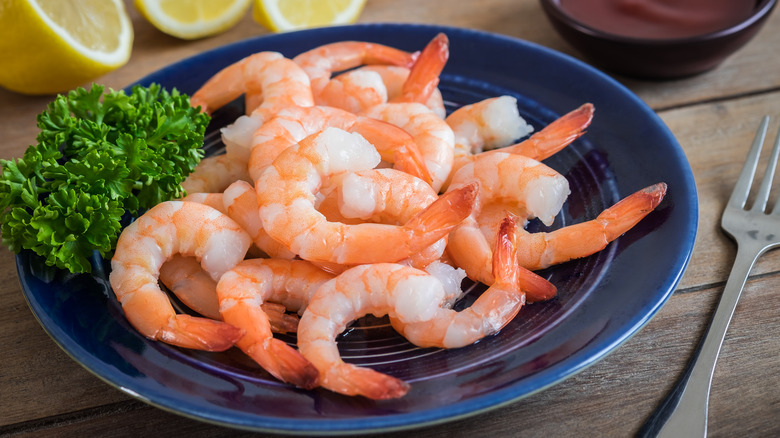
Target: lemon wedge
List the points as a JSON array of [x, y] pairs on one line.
[[286, 15], [192, 19], [52, 46]]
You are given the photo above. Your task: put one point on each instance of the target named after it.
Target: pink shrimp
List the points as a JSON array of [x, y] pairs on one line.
[[394, 78], [495, 308], [491, 124], [186, 279], [544, 249], [360, 89], [164, 230], [416, 303], [240, 203], [214, 174], [424, 75], [279, 80], [241, 292], [286, 193], [487, 124], [321, 62], [525, 185], [294, 124], [432, 135], [381, 196]]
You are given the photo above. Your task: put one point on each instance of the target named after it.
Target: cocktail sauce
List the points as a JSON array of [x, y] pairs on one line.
[[659, 19]]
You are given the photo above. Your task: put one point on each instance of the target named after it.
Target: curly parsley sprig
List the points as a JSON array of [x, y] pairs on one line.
[[98, 156]]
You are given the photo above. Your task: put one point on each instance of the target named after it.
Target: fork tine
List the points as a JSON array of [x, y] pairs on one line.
[[766, 184], [742, 188]]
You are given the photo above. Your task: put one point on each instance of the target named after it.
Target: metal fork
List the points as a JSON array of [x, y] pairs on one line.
[[684, 411]]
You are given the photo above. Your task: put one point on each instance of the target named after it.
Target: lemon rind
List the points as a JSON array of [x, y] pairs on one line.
[[198, 29], [108, 59]]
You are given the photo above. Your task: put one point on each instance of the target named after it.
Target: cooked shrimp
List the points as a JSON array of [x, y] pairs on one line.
[[432, 135], [186, 279], [279, 80], [241, 292], [487, 124], [213, 200], [294, 124], [383, 196], [321, 62], [214, 174], [527, 186], [240, 203], [481, 126], [544, 249], [360, 89], [394, 77], [354, 91], [424, 75], [169, 228], [495, 308], [415, 302], [287, 191]]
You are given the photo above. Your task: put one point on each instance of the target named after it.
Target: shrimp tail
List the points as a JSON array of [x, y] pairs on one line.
[[555, 136], [284, 362], [439, 218], [622, 216], [507, 270], [540, 250], [424, 75], [352, 380], [280, 320], [406, 156], [200, 333], [411, 161]]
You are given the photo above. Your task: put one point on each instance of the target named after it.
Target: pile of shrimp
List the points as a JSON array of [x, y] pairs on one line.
[[347, 190]]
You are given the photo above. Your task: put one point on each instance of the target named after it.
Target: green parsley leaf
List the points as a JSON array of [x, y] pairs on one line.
[[98, 155]]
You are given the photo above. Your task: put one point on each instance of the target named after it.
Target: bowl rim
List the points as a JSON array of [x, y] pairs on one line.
[[554, 9]]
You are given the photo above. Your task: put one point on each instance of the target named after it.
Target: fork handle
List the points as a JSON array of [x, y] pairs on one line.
[[684, 410]]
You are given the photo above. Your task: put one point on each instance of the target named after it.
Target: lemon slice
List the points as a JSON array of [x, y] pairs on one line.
[[191, 19], [285, 15], [51, 46]]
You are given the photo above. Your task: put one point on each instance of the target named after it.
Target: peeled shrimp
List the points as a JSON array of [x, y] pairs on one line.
[[530, 188], [321, 62], [383, 196], [415, 301], [486, 125], [169, 228], [495, 308], [544, 249], [432, 135], [279, 80], [360, 89], [394, 78], [293, 124], [214, 174], [240, 203], [287, 191], [197, 290], [242, 291]]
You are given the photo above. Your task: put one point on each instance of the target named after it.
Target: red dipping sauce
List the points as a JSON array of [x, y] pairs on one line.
[[659, 19]]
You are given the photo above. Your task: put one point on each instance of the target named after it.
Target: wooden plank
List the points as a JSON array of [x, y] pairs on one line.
[[716, 138], [38, 378], [640, 372]]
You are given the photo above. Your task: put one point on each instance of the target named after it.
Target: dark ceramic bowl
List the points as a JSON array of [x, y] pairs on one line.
[[656, 58]]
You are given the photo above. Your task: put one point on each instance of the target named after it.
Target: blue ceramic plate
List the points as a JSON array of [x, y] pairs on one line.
[[602, 301]]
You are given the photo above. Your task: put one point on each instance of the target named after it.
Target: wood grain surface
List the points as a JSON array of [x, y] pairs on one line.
[[44, 393]]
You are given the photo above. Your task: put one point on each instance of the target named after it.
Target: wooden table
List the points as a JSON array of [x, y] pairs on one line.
[[45, 393]]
